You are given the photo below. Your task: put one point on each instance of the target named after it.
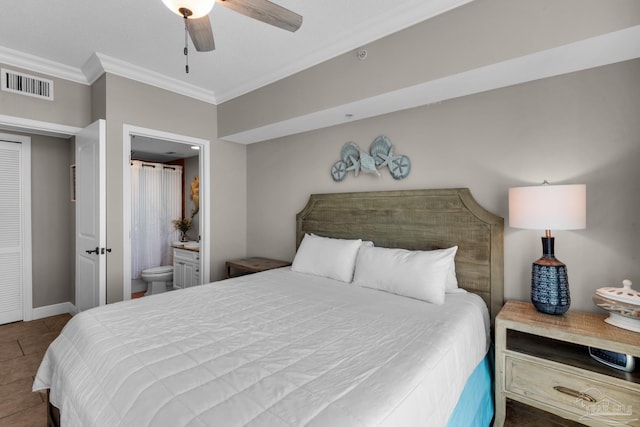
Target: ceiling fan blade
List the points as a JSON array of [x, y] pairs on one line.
[[201, 33], [267, 12]]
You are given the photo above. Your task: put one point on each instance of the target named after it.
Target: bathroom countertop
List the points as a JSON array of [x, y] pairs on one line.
[[186, 248]]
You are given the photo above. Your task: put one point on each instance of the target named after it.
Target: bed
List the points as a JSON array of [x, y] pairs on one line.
[[288, 348]]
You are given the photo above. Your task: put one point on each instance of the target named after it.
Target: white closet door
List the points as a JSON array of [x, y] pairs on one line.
[[10, 233]]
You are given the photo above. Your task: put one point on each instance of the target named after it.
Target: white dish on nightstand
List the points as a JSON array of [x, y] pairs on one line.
[[623, 305]]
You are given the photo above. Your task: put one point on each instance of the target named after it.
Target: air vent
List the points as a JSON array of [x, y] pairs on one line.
[[25, 84]]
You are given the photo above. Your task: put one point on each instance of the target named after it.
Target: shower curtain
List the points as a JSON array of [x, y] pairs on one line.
[[156, 200]]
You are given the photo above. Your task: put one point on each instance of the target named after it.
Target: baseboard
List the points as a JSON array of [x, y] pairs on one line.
[[54, 310]]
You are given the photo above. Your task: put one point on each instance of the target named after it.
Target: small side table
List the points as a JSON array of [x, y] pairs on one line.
[[543, 361], [252, 265]]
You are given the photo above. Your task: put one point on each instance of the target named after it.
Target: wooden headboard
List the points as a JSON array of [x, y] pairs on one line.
[[418, 220]]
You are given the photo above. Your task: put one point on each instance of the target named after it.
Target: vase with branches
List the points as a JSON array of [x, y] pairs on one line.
[[183, 225]]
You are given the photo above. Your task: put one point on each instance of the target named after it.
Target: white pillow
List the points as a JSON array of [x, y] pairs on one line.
[[416, 274], [327, 257], [452, 279], [364, 242]]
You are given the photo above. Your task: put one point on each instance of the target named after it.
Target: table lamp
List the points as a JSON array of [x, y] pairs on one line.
[[547, 207]]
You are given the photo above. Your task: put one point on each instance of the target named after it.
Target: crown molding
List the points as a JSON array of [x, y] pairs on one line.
[[34, 63], [93, 69], [99, 64], [96, 66]]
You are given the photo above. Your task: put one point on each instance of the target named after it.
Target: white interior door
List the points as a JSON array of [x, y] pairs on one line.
[[15, 226], [91, 282]]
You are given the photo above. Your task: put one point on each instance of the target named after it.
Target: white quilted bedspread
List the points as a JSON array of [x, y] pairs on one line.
[[272, 349]]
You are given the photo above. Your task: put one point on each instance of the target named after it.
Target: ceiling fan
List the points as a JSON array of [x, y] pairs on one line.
[[196, 17]]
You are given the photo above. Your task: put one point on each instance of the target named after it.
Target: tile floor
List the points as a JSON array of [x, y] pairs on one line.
[[22, 345]]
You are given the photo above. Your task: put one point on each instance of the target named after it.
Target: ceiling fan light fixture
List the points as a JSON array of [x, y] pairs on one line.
[[198, 8]]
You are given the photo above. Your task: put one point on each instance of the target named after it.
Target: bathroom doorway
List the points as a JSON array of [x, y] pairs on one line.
[[166, 157]]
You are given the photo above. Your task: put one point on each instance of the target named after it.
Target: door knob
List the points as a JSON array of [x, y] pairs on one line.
[[96, 250]]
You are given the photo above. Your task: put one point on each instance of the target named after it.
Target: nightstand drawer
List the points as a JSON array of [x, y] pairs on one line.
[[591, 400]]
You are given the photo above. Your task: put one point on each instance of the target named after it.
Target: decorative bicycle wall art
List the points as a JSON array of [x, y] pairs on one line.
[[380, 155]]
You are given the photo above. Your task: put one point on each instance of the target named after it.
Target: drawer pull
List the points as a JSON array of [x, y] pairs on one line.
[[574, 393]]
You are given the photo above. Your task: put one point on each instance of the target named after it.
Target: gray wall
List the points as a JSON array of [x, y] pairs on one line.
[[577, 128], [71, 105], [477, 34], [121, 101], [51, 220], [574, 128], [99, 99], [53, 215], [133, 103]]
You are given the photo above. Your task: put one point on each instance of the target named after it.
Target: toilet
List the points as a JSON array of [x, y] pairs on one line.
[[159, 279]]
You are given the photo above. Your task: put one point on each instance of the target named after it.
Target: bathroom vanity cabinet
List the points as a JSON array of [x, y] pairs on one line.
[[186, 268]]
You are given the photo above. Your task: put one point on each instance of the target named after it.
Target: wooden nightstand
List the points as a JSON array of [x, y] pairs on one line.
[[252, 265], [543, 361]]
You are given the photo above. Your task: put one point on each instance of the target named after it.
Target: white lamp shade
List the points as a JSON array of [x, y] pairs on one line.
[[199, 8], [548, 207]]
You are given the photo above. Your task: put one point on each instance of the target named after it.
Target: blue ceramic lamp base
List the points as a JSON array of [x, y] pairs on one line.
[[549, 282]]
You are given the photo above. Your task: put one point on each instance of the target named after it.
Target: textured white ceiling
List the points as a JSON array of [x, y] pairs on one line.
[[144, 34]]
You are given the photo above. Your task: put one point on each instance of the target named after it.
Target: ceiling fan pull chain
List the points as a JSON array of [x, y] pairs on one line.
[[186, 44]]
